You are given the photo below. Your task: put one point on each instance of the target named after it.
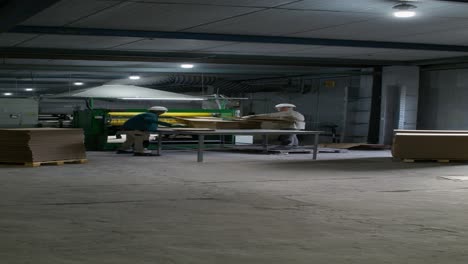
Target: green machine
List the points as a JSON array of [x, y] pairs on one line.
[[94, 124], [99, 124]]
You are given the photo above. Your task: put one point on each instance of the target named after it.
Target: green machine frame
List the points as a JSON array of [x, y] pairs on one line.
[[95, 123]]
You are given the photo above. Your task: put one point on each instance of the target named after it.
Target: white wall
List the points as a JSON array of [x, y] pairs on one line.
[[18, 112], [400, 92], [359, 109], [444, 100], [321, 105]]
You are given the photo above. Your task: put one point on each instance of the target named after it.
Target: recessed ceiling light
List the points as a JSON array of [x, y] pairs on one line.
[[404, 14], [29, 89], [7, 94], [134, 77], [187, 66], [78, 83], [404, 10]]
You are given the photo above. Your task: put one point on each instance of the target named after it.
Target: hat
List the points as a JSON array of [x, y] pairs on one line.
[[157, 109], [285, 105]]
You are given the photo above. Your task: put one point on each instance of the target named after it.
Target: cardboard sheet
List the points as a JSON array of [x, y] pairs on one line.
[[219, 123]]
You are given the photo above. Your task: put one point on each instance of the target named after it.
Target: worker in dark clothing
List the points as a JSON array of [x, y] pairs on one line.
[[138, 128]]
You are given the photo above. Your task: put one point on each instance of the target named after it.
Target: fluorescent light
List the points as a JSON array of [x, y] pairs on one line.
[[29, 89], [404, 14], [78, 83], [163, 99], [134, 77], [404, 10], [7, 94], [187, 66]]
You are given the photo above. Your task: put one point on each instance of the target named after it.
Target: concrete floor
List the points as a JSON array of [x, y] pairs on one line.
[[356, 207]]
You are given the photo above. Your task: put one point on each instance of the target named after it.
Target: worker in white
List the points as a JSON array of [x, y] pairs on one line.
[[293, 120]]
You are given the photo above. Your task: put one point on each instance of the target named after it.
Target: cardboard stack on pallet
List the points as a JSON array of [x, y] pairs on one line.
[[29, 145], [441, 145]]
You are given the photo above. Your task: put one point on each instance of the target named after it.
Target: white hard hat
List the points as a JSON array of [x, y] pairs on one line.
[[285, 105], [157, 109]]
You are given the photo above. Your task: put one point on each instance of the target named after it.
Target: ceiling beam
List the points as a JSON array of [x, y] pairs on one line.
[[48, 79], [444, 67], [108, 55], [13, 12], [14, 85], [146, 70], [336, 74], [445, 61], [236, 38]]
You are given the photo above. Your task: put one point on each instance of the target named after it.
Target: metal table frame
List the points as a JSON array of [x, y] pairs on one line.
[[235, 132]]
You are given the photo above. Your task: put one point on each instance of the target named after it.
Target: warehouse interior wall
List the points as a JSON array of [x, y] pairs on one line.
[[18, 112], [343, 102], [359, 102], [400, 96], [443, 99]]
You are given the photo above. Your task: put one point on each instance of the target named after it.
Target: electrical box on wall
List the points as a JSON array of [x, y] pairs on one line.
[[18, 112], [329, 84]]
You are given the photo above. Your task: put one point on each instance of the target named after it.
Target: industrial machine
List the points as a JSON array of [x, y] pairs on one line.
[[99, 124]]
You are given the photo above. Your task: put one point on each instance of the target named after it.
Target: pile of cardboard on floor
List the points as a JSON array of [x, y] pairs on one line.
[[24, 145], [430, 145]]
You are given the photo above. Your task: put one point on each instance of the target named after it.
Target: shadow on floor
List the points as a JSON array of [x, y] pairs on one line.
[[356, 164]]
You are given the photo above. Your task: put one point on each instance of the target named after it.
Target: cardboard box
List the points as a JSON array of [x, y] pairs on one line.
[[431, 145]]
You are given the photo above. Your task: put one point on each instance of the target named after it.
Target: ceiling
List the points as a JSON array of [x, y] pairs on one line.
[[102, 40]]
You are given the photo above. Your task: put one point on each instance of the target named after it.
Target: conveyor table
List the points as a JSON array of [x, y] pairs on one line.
[[233, 132]]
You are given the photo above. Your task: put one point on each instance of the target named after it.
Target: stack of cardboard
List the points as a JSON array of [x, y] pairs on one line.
[[41, 144], [430, 145], [219, 123]]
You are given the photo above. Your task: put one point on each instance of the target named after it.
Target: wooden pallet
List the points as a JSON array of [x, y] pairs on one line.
[[42, 163], [431, 160]]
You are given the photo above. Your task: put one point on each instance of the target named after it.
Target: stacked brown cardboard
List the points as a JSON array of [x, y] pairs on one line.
[[219, 123], [431, 145], [432, 131], [41, 144]]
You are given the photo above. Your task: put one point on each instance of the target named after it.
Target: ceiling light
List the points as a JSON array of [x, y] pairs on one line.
[[29, 89], [187, 66], [404, 14], [78, 83], [134, 77], [404, 10], [7, 94]]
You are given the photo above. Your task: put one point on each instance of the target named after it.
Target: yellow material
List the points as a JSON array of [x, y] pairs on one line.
[[119, 118], [169, 120], [182, 114], [177, 114], [121, 121], [124, 114]]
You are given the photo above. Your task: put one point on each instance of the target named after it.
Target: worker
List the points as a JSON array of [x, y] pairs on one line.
[[138, 129], [294, 121]]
